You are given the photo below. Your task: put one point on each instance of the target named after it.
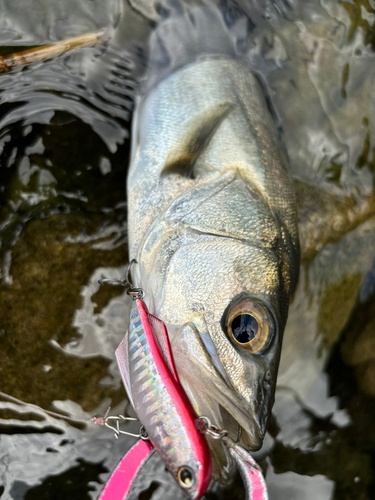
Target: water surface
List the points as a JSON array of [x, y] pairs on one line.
[[64, 142]]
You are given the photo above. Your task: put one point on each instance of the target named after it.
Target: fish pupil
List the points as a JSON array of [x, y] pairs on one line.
[[244, 328]]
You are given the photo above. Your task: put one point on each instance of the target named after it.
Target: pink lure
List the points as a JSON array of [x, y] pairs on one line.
[[150, 378], [121, 481], [252, 477]]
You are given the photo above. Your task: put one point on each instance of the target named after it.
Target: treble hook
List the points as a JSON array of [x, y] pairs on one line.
[[116, 428]]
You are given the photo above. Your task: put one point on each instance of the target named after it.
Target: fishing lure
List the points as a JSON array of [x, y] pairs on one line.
[[251, 474], [119, 484], [146, 364]]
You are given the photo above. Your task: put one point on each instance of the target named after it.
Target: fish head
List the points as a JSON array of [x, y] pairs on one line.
[[225, 303]]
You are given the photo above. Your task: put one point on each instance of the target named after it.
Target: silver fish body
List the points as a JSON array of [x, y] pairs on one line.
[[213, 226]]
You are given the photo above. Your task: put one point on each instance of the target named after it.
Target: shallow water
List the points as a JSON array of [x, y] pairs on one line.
[[64, 141]]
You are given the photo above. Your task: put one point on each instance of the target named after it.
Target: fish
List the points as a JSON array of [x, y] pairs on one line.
[[212, 224]]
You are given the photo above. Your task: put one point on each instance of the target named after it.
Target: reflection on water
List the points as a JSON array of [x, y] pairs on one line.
[[64, 150]]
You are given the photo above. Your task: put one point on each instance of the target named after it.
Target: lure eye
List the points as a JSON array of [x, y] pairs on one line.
[[250, 325], [185, 477]]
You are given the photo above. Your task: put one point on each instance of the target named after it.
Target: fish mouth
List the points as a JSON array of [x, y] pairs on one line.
[[214, 397]]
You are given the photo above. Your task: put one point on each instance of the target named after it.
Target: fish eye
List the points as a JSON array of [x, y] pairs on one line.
[[250, 325], [185, 477]]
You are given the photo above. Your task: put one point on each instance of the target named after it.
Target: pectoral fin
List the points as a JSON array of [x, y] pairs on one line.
[[198, 134]]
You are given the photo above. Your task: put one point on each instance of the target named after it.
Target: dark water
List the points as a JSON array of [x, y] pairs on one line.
[[64, 142]]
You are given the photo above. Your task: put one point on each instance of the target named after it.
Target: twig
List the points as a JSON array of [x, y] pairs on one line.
[[49, 51]]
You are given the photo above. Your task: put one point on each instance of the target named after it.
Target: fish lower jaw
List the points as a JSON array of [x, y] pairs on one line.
[[248, 436], [242, 424]]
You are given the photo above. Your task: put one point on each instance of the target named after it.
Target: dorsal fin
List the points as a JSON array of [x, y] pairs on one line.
[[325, 215], [161, 335], [197, 136]]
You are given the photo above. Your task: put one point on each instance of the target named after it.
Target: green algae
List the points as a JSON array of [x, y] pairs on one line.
[[359, 12]]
